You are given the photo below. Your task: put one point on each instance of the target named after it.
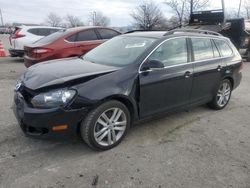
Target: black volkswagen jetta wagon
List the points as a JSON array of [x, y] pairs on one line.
[[126, 79]]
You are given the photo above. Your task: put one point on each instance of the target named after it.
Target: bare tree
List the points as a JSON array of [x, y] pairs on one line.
[[73, 21], [246, 7], [181, 8], [98, 19], [148, 16], [53, 20]]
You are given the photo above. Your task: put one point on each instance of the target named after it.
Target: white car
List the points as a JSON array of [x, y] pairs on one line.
[[26, 35]]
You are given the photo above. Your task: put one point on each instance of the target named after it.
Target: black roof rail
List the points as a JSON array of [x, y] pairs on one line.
[[207, 32]]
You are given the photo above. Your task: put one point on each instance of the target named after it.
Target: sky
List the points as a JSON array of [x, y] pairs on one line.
[[36, 11]]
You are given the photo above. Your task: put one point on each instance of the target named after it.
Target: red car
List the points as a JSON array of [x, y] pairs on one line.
[[67, 43]]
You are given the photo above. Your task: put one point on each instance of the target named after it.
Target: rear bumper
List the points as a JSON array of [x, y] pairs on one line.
[[16, 53], [39, 123], [237, 80]]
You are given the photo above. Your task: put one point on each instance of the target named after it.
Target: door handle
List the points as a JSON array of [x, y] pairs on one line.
[[187, 74], [219, 68]]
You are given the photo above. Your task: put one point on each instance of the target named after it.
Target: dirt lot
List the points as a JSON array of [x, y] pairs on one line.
[[198, 148]]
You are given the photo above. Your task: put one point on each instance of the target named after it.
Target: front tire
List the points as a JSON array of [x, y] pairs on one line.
[[105, 126], [222, 96]]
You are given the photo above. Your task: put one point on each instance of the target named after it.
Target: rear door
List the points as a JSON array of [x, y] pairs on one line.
[[86, 41], [167, 88], [207, 69]]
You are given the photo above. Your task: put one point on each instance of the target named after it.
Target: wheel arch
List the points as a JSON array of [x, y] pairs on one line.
[[127, 102], [230, 79]]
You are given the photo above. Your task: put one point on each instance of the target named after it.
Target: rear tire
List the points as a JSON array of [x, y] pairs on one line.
[[105, 126], [222, 96]]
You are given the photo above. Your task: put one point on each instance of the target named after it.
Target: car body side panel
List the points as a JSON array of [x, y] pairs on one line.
[[165, 89]]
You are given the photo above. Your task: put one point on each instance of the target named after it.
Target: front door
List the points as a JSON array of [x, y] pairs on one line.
[[167, 88]]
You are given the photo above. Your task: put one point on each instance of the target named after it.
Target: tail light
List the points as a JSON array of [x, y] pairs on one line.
[[246, 41], [38, 52], [41, 50], [17, 34]]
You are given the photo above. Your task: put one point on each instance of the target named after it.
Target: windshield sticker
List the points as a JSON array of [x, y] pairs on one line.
[[138, 45]]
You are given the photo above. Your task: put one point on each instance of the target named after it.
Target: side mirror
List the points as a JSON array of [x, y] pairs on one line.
[[152, 64]]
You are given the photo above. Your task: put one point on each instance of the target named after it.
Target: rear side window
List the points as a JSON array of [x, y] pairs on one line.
[[86, 36], [224, 48], [172, 52], [216, 51], [34, 31], [52, 37], [202, 48], [72, 38], [42, 31], [107, 33]]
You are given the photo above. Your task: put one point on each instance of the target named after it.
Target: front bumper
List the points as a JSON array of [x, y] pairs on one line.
[[16, 53], [40, 122]]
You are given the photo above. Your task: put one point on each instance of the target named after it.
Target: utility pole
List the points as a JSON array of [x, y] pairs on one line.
[[239, 8], [1, 16], [223, 9], [94, 18]]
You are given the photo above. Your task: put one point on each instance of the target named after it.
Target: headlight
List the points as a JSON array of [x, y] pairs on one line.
[[53, 99]]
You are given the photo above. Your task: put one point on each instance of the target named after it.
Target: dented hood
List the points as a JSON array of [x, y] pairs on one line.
[[61, 71]]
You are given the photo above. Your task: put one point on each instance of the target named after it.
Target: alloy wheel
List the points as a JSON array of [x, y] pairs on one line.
[[110, 126], [223, 94]]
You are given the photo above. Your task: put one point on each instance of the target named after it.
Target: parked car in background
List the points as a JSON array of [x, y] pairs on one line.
[[5, 30], [23, 35], [126, 79], [245, 46], [67, 43]]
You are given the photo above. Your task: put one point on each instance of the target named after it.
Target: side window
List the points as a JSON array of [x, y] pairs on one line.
[[172, 52], [71, 38], [53, 31], [202, 48], [44, 32], [107, 33], [86, 35], [224, 48], [34, 31], [215, 49]]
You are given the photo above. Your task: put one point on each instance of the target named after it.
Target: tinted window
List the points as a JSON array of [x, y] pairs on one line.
[[72, 38], [42, 31], [86, 35], [33, 31], [171, 52], [224, 48], [202, 48], [52, 37], [107, 33]]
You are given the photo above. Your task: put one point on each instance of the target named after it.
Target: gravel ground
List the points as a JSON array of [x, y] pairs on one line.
[[193, 149]]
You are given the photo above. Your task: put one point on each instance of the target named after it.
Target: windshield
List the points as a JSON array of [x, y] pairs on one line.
[[52, 37], [119, 51]]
